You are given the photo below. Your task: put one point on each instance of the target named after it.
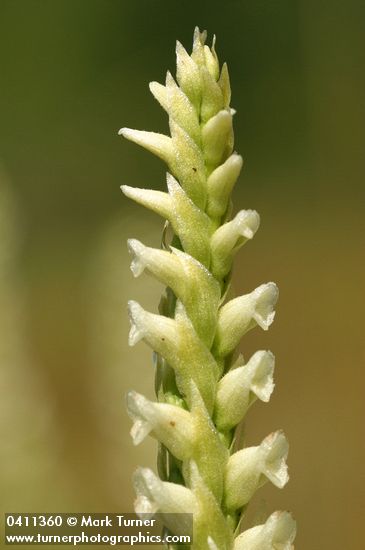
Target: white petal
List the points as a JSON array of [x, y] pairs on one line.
[[274, 451], [139, 261], [265, 297], [138, 328], [260, 368]]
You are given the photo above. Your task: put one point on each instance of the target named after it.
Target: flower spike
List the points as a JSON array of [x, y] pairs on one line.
[[203, 390]]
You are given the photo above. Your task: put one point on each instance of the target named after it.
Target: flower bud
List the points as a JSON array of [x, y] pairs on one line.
[[171, 425], [278, 532], [242, 314], [229, 238], [211, 60], [157, 201], [220, 184], [187, 164], [217, 138], [198, 47], [177, 105], [250, 468], [189, 222], [240, 387], [158, 144], [212, 96], [188, 75], [225, 85]]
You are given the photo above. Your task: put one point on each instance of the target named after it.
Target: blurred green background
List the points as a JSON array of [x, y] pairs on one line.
[[72, 73]]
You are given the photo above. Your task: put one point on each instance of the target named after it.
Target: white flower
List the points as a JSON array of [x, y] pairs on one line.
[[171, 425], [250, 468], [169, 499], [278, 533], [229, 238], [243, 313], [240, 387]]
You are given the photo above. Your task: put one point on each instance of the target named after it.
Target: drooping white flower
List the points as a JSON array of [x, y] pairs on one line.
[[171, 425]]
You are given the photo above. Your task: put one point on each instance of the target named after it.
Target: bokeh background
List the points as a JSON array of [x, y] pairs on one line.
[[72, 73]]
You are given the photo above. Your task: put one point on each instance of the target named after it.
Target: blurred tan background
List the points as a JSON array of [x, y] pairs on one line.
[[72, 73]]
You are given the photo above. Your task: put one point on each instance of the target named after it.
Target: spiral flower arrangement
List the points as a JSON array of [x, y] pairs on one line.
[[203, 387]]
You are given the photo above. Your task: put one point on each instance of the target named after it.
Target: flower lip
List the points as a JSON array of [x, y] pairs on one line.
[[137, 407], [265, 297], [262, 384], [248, 222], [136, 314], [283, 527], [275, 449], [137, 249]]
